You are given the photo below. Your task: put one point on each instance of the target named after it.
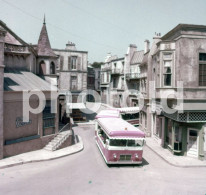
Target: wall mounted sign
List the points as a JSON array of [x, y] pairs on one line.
[[20, 123]]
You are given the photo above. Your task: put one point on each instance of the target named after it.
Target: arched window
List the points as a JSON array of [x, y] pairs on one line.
[[42, 68], [52, 68]]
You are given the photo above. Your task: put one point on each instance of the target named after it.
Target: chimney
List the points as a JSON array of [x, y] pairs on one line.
[[131, 49], [146, 46], [70, 46]]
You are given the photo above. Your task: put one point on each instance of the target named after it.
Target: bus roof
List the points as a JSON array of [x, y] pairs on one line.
[[117, 128], [129, 110], [108, 114]]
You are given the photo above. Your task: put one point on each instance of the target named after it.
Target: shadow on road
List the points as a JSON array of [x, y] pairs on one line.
[[144, 163]]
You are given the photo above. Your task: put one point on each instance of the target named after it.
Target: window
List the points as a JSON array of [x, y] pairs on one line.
[[202, 69], [114, 82], [52, 68], [73, 83], [72, 62], [167, 69]]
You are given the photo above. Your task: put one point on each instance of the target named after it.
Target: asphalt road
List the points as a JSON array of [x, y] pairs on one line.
[[86, 173]]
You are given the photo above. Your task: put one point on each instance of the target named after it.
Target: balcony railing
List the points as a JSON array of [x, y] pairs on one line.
[[106, 68], [116, 71], [132, 75], [15, 48]]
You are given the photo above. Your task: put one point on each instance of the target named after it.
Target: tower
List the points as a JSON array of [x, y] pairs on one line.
[[47, 59]]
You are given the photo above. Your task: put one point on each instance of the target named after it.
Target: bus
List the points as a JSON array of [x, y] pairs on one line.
[[130, 114], [118, 141]]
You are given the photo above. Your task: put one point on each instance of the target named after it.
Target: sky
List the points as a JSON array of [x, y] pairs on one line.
[[98, 26]]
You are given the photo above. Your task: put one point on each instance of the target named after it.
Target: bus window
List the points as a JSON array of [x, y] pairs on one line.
[[133, 143], [118, 142]]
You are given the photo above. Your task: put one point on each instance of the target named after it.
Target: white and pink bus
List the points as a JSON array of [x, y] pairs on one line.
[[118, 141]]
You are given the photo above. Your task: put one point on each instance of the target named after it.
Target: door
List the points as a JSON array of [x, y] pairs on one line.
[[192, 143]]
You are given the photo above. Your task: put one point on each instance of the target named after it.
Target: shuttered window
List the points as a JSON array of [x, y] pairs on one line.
[[202, 69]]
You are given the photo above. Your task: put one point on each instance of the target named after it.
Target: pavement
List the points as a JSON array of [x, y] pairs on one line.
[[166, 155], [41, 155]]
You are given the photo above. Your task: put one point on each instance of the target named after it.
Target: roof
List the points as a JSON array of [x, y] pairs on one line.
[[145, 58], [108, 113], [184, 27], [129, 110], [76, 106], [12, 38], [137, 57], [44, 47], [118, 128], [19, 80]]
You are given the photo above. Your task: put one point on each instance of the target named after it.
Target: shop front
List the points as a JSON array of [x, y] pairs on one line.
[[185, 138]]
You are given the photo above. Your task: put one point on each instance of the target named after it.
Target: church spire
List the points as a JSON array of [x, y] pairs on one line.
[[44, 47], [44, 19]]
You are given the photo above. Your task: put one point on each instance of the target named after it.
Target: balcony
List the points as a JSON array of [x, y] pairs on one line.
[[116, 71], [108, 68], [16, 49], [143, 75], [130, 76]]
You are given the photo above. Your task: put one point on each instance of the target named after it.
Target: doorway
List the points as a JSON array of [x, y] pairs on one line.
[[192, 143]]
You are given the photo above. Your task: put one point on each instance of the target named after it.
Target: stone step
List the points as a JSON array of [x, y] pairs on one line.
[[54, 144]]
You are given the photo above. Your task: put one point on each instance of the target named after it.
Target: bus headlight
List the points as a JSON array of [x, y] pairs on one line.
[[136, 156], [114, 155]]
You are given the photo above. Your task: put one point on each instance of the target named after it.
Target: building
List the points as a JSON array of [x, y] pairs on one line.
[[176, 111], [90, 83], [133, 59], [19, 66], [72, 71]]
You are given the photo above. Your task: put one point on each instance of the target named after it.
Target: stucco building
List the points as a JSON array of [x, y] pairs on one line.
[[72, 74], [176, 112]]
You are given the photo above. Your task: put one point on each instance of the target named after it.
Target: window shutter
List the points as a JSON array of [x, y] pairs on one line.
[[69, 63], [78, 63]]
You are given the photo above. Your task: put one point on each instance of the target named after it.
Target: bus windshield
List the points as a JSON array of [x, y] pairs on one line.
[[126, 143]]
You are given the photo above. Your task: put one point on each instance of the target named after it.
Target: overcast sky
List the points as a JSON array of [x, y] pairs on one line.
[[99, 26]]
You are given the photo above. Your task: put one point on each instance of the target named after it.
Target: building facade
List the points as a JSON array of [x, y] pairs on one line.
[[19, 63], [176, 111], [72, 74]]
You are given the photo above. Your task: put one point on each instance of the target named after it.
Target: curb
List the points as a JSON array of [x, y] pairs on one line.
[[41, 160], [182, 166]]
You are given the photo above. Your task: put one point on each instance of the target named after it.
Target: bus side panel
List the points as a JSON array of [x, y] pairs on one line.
[[102, 148]]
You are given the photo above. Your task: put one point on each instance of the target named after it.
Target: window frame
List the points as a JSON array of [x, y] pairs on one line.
[[201, 62], [164, 73]]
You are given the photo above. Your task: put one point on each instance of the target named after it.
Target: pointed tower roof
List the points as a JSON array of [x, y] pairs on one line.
[[44, 47]]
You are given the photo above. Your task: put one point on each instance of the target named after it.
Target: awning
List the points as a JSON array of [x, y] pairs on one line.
[[76, 106], [129, 110]]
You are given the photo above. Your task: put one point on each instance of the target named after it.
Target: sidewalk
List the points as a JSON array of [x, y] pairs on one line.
[[41, 155], [178, 161]]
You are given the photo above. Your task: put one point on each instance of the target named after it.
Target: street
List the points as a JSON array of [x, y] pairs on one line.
[[86, 173]]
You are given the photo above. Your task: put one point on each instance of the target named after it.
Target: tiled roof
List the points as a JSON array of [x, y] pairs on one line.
[[19, 80], [11, 39], [44, 47], [137, 57], [145, 58]]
